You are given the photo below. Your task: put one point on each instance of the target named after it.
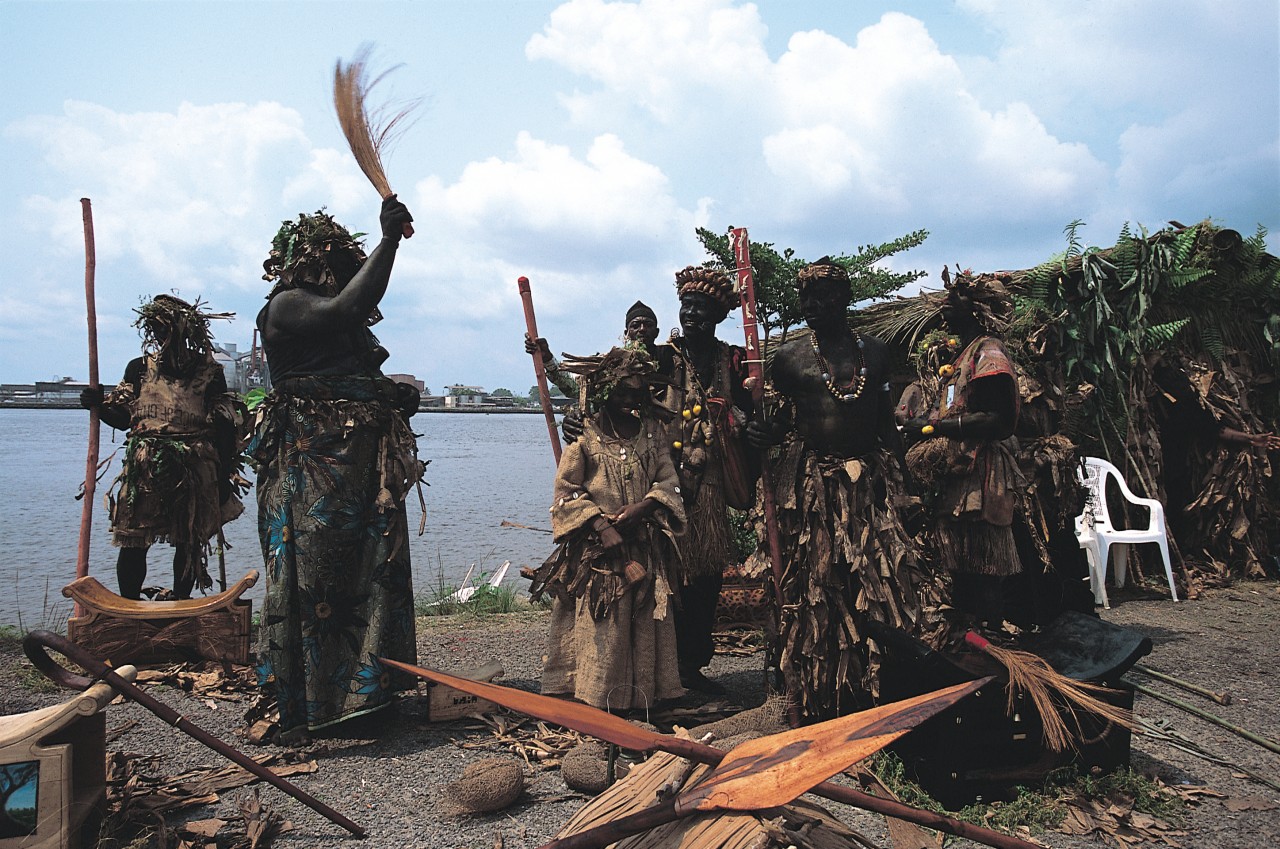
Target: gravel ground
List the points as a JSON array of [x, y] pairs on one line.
[[389, 775]]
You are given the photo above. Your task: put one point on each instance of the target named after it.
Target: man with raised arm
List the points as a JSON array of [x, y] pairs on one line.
[[335, 460]]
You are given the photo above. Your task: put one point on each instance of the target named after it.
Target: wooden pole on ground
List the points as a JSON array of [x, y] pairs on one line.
[[35, 645], [526, 296], [91, 460]]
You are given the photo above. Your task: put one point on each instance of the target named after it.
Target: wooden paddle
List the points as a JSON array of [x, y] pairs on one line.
[[613, 729], [770, 771]]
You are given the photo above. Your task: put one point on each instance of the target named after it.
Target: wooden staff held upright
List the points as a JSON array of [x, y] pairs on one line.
[[755, 370], [755, 382], [91, 460], [543, 393]]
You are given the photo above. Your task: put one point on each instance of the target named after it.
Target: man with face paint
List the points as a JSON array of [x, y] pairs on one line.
[[176, 482], [711, 406], [841, 495]]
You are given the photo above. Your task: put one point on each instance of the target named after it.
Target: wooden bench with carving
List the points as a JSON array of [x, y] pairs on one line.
[[215, 627]]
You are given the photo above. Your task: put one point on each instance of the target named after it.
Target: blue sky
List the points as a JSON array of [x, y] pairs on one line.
[[580, 143]]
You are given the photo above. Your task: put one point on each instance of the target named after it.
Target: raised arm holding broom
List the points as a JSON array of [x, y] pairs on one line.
[[367, 134]]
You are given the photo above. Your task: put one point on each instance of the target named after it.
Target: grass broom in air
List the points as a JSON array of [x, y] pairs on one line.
[[1046, 687], [368, 134]]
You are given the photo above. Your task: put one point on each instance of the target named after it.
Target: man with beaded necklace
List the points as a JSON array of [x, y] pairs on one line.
[[710, 403], [840, 492]]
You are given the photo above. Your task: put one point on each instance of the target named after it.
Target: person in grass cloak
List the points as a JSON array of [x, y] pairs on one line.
[[616, 512], [842, 501], [177, 482], [335, 458], [962, 452]]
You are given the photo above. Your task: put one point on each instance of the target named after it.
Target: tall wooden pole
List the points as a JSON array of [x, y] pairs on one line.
[[543, 393], [91, 460], [755, 370]]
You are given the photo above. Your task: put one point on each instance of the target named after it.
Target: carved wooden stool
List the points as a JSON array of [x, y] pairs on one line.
[[122, 630]]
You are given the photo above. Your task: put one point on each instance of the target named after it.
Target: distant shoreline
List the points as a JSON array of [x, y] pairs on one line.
[[74, 404]]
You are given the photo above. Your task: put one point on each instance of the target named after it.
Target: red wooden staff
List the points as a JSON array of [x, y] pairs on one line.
[[91, 461], [543, 393], [755, 370]]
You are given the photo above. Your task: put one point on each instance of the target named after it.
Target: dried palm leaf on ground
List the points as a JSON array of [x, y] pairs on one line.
[[206, 679], [738, 642], [537, 743], [368, 134], [801, 823]]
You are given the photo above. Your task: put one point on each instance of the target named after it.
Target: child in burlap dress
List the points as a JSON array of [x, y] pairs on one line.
[[615, 514]]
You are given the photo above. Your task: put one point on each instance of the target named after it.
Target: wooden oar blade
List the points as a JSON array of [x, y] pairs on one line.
[[774, 770], [575, 715]]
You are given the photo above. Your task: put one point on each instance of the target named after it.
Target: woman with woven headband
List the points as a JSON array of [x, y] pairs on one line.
[[962, 451], [847, 558], [335, 460], [176, 484], [615, 513], [711, 405]]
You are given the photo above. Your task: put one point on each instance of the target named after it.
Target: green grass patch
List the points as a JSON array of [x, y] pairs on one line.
[[1039, 809], [439, 599]]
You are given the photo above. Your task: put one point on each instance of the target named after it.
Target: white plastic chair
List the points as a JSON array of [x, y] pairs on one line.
[[1097, 534]]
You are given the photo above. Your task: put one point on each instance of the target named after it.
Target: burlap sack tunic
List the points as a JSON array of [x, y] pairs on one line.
[[613, 645], [167, 490]]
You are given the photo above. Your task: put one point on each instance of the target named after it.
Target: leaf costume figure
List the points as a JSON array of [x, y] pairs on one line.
[[841, 504], [615, 513], [964, 454], [177, 482], [709, 407], [335, 458]]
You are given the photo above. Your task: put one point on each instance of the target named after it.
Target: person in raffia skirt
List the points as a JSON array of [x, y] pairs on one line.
[[842, 502], [962, 452], [335, 459], [615, 514]]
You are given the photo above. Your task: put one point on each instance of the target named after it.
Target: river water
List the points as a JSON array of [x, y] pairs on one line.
[[484, 469]]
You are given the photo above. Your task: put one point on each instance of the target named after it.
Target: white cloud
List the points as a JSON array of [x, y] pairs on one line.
[[881, 130], [170, 189], [662, 55], [571, 222]]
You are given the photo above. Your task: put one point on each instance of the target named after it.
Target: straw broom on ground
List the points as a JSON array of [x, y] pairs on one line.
[[1032, 674], [368, 134]]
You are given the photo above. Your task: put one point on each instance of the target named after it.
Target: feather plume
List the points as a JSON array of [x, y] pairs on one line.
[[368, 134]]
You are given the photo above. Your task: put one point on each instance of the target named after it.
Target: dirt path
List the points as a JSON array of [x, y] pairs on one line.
[[391, 778]]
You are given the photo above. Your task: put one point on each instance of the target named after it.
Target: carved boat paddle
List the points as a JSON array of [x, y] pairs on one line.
[[771, 771], [613, 729]]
